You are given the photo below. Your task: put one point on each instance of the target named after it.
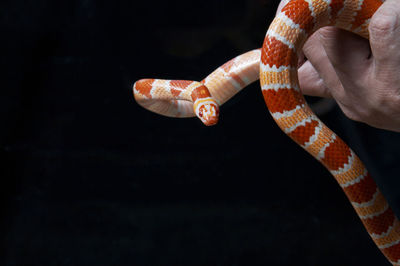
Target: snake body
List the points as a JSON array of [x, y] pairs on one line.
[[276, 67]]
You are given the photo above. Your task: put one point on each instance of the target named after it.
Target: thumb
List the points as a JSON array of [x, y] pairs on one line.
[[384, 30]]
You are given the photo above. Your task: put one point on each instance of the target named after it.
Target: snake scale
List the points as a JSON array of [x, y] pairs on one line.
[[276, 67]]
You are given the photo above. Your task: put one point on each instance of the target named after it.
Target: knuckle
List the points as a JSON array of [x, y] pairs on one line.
[[371, 112], [383, 23], [388, 104], [352, 115], [349, 111], [328, 34], [359, 112]]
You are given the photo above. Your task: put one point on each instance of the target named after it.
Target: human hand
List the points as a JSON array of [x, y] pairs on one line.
[[362, 76]]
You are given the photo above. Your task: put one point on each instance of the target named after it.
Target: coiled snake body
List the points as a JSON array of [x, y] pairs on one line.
[[276, 67]]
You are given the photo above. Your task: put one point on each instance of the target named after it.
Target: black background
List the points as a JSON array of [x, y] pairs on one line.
[[88, 177]]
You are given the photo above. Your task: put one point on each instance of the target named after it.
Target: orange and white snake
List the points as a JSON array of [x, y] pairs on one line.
[[276, 67]]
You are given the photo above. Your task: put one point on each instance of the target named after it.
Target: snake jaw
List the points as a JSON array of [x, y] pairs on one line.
[[207, 111]]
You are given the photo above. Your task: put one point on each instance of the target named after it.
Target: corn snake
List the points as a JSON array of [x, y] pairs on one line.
[[276, 67]]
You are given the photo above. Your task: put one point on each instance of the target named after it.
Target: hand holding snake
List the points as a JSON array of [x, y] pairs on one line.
[[331, 70], [363, 77]]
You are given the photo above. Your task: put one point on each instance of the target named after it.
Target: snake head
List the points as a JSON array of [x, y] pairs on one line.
[[207, 110]]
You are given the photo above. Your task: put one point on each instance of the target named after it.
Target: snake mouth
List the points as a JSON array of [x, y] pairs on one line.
[[207, 111]]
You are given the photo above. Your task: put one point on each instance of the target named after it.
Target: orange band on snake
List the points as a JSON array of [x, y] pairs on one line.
[[276, 67]]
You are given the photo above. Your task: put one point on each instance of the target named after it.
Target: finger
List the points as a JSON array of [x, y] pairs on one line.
[[384, 30], [348, 53], [317, 57], [311, 83]]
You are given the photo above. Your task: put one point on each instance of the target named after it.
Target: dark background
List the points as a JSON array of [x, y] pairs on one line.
[[88, 177]]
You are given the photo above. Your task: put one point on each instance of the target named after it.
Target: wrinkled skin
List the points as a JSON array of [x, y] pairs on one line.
[[362, 76]]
